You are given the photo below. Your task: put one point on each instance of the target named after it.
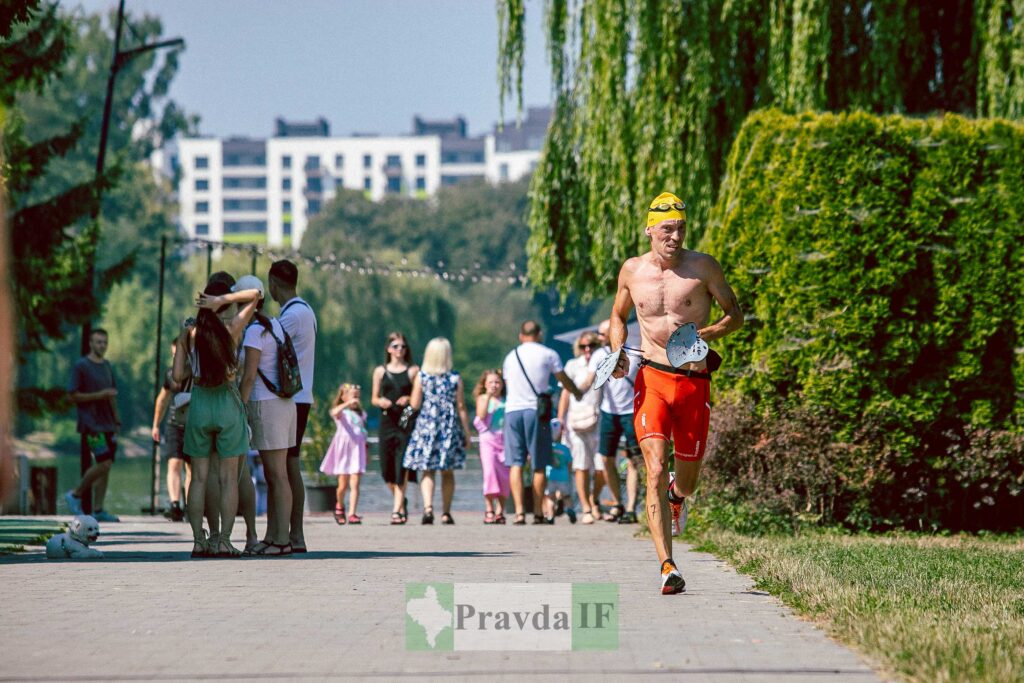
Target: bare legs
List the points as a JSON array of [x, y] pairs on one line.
[[279, 504], [344, 482], [582, 478], [427, 489], [516, 484], [96, 478], [174, 468], [296, 536], [228, 475], [247, 501], [659, 516], [447, 490], [197, 490]]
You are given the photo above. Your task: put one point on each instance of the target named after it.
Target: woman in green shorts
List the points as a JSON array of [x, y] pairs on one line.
[[216, 417]]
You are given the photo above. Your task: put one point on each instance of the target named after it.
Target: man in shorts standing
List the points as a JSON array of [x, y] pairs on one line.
[[299, 321], [670, 286], [173, 395], [94, 392], [527, 371]]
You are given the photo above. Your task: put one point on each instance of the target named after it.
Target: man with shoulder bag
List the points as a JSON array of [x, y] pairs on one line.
[[528, 411]]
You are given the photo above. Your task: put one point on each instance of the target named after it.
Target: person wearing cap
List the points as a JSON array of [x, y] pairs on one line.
[[271, 419], [670, 285]]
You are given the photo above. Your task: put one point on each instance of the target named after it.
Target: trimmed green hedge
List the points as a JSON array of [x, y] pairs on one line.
[[880, 261]]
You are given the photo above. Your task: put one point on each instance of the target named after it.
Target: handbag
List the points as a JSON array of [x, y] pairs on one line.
[[583, 418], [545, 403], [407, 420]]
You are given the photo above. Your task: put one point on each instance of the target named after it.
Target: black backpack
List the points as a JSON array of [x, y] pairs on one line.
[[288, 373]]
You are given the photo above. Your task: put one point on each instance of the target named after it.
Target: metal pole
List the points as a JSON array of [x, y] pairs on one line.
[[254, 260], [85, 457], [209, 260], [155, 488]]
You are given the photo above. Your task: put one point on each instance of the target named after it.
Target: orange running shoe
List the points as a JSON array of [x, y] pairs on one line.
[[671, 580]]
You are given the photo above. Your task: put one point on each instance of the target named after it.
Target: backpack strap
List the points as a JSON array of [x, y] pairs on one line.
[[297, 300], [521, 367], [279, 343]]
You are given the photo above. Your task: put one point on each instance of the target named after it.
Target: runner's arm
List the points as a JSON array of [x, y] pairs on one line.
[[726, 298], [567, 382], [617, 333]]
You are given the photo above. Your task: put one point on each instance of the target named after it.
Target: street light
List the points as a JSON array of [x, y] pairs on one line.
[[119, 59]]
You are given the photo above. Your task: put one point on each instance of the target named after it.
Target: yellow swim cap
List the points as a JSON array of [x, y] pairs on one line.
[[666, 207]]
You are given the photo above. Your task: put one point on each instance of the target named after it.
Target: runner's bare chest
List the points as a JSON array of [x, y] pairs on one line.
[[665, 299]]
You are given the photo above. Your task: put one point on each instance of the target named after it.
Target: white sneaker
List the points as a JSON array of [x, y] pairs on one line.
[[671, 580], [104, 516], [74, 503]]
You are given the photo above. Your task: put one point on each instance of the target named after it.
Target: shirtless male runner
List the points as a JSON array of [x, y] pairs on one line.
[[670, 286]]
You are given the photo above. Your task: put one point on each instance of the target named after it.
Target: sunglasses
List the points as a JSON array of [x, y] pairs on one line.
[[590, 346], [398, 346], [678, 206]]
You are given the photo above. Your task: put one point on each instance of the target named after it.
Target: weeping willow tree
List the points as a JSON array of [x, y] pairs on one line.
[[651, 93]]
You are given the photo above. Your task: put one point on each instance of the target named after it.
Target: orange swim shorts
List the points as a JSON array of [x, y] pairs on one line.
[[670, 405]]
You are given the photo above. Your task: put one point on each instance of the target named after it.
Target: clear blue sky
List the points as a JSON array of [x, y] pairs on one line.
[[365, 65]]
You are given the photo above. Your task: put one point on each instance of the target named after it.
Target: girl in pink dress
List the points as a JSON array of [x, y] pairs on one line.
[[490, 417], [346, 456]]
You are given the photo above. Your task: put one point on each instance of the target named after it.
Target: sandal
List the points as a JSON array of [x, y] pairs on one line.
[[613, 514], [447, 518], [489, 518], [428, 515], [520, 519], [587, 518], [201, 547], [231, 552], [397, 518], [499, 518], [339, 514], [355, 519], [270, 550]]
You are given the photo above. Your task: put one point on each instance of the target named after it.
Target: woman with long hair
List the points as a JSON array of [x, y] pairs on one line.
[[216, 415], [489, 395], [392, 387], [439, 439]]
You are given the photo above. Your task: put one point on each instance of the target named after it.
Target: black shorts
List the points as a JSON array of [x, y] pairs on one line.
[[174, 443], [102, 445], [613, 427], [301, 418]]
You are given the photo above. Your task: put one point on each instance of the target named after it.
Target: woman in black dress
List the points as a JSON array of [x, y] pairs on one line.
[[392, 386]]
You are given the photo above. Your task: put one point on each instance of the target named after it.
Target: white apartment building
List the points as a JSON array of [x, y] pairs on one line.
[[266, 191]]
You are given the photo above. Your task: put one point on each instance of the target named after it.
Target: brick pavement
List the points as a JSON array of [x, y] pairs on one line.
[[148, 612]]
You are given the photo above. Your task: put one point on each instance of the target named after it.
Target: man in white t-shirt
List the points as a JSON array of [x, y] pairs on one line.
[[616, 423], [299, 320], [527, 371]]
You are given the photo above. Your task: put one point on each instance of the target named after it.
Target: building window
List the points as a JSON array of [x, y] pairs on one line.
[[287, 227], [286, 183], [339, 161], [202, 162], [367, 161], [245, 160], [202, 207], [314, 185], [394, 184], [202, 228], [367, 183], [235, 227], [245, 182], [503, 171], [312, 162], [313, 207], [393, 161], [421, 160], [286, 206], [245, 204], [202, 184], [421, 183], [286, 161]]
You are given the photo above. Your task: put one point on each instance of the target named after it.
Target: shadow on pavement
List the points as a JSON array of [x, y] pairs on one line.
[[115, 556]]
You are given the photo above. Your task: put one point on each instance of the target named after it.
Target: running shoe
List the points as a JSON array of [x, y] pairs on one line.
[[628, 518], [680, 509], [104, 516], [671, 580], [74, 503]]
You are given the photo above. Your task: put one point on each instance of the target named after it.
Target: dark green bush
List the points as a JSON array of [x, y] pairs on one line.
[[879, 260]]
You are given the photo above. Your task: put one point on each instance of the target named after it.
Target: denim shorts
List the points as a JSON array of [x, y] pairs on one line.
[[525, 436]]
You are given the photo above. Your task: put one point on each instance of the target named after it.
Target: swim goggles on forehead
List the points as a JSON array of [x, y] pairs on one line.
[[677, 206]]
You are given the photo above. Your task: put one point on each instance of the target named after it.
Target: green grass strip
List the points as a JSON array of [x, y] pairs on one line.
[[927, 608], [15, 534]]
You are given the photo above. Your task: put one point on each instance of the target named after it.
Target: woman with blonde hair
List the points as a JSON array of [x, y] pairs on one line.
[[581, 421], [439, 439]]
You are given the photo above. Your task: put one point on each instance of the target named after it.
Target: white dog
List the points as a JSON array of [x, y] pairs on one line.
[[74, 542]]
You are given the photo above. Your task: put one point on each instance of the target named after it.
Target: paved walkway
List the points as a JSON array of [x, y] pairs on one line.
[[146, 611]]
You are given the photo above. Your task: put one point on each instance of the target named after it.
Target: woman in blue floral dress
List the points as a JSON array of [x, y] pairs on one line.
[[441, 434]]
